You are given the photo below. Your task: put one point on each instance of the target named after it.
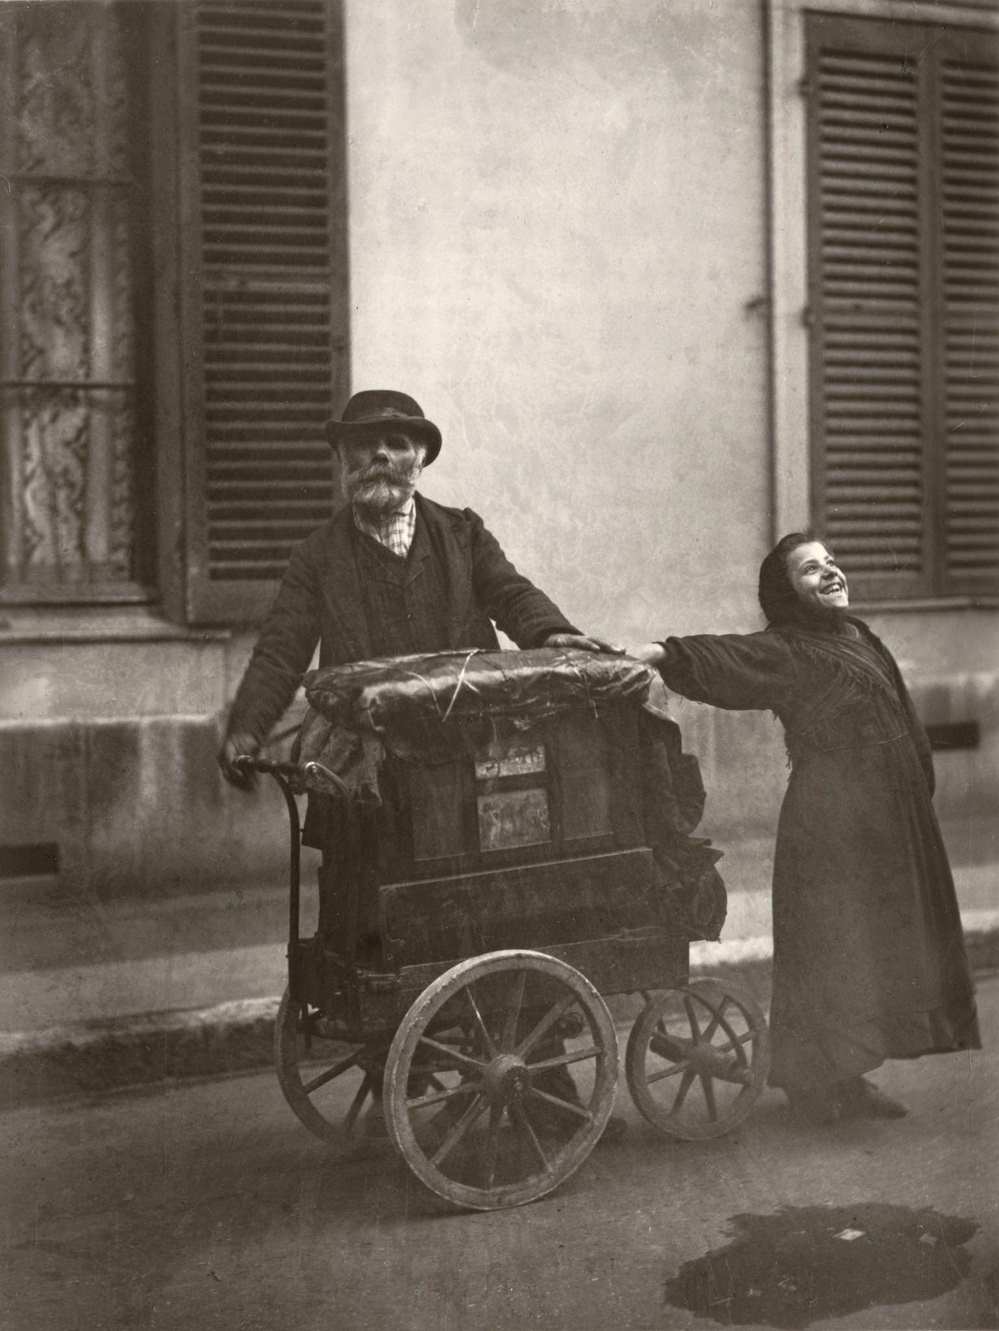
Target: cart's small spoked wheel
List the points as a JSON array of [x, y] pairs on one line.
[[334, 1087], [698, 1058], [501, 1078]]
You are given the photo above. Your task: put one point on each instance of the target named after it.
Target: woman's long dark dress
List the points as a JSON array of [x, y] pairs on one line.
[[869, 959]]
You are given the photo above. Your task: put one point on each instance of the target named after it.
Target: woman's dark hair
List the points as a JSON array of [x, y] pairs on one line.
[[778, 598]]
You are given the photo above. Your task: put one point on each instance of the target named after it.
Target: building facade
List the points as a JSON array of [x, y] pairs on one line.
[[672, 278]]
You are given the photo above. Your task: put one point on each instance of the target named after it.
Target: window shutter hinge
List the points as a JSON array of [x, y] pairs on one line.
[[806, 316], [804, 86]]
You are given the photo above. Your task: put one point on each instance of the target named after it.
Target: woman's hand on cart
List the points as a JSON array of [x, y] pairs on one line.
[[651, 653]]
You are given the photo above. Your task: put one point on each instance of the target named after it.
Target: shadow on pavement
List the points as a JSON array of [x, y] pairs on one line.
[[804, 1264]]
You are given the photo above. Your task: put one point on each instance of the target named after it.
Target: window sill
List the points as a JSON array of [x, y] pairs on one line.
[[88, 624]]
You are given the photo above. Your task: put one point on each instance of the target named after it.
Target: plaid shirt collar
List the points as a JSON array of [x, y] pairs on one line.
[[394, 530]]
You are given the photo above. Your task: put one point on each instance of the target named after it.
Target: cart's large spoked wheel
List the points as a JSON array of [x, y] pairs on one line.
[[501, 1078], [334, 1087], [698, 1058]]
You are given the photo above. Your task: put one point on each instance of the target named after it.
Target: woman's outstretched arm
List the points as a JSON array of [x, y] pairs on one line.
[[738, 671]]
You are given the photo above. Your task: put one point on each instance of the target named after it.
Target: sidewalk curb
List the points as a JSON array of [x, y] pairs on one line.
[[92, 1057]]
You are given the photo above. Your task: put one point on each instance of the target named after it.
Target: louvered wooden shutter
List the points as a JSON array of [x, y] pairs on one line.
[[900, 275], [969, 189], [264, 289]]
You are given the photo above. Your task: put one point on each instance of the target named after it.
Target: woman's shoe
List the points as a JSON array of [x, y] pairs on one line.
[[862, 1099], [821, 1107]]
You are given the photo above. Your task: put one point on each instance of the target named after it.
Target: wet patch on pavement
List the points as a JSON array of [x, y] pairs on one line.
[[804, 1264]]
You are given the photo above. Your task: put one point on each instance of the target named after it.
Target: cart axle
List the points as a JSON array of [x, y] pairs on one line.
[[506, 1079]]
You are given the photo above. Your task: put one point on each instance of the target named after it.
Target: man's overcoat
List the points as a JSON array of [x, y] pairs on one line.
[[467, 584]]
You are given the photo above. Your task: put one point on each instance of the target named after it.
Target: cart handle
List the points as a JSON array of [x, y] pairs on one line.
[[246, 762], [297, 775], [284, 774]]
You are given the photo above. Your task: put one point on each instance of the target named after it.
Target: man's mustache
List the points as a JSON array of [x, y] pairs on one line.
[[371, 474]]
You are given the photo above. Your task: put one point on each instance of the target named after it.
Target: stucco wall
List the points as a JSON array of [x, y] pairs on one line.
[[557, 242], [556, 226], [557, 236], [107, 750]]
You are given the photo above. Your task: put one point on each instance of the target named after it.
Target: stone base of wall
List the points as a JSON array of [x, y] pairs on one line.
[[134, 807], [745, 768], [137, 806]]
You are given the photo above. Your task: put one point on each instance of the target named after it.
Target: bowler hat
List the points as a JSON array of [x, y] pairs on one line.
[[368, 414]]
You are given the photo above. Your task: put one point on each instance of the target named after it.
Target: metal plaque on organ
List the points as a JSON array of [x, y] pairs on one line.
[[513, 818], [512, 760]]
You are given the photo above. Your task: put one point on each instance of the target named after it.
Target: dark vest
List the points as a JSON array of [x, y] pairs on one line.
[[405, 600], [405, 604]]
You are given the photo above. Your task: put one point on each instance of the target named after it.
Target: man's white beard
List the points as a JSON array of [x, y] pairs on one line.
[[379, 496]]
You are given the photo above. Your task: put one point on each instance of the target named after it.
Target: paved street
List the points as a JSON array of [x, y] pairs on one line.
[[207, 1206]]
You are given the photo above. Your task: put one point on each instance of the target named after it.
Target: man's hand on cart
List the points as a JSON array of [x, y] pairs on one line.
[[235, 746], [582, 643]]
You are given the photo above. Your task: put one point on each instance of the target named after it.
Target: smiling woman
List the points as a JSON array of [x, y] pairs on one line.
[[869, 958], [801, 582], [816, 577]]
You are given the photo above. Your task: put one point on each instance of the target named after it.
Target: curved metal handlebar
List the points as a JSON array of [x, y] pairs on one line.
[[297, 775], [246, 762], [292, 778], [288, 776]]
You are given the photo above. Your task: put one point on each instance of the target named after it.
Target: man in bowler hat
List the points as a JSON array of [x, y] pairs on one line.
[[391, 574]]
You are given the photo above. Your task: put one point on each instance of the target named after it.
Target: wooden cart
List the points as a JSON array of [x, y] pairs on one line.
[[497, 893]]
